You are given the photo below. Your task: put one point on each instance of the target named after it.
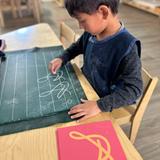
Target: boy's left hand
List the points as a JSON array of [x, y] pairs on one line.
[[85, 110]]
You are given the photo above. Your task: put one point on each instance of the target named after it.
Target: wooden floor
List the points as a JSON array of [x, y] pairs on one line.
[[147, 28]]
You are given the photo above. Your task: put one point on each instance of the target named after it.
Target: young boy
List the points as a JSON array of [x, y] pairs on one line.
[[111, 57]]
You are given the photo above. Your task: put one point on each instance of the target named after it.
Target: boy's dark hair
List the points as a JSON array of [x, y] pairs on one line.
[[89, 6]]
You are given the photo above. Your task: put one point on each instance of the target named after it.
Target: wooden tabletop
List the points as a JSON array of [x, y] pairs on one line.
[[40, 144], [40, 35]]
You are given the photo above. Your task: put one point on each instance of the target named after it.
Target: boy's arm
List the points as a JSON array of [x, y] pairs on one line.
[[74, 50], [132, 88]]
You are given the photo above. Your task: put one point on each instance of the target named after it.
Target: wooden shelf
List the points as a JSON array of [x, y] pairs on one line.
[[151, 6]]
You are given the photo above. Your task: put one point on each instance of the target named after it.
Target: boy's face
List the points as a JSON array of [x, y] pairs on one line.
[[93, 23]]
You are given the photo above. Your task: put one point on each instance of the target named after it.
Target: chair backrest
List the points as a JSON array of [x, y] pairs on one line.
[[149, 84], [134, 113], [60, 3], [67, 35], [147, 79]]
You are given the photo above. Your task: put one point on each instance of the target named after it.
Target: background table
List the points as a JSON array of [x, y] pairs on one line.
[[40, 35], [40, 144]]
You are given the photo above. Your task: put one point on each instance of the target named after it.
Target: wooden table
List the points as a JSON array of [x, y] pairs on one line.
[[40, 144], [40, 35]]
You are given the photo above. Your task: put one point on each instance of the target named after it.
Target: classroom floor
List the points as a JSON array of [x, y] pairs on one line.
[[147, 28]]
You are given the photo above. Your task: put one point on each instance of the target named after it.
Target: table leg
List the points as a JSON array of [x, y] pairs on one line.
[[1, 20]]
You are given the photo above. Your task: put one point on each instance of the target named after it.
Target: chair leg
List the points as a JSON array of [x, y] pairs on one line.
[[13, 7], [133, 131], [39, 6], [18, 6], [36, 11], [29, 6], [1, 20]]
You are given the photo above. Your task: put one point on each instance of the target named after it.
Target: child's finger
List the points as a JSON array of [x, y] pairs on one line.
[[78, 115], [53, 69], [50, 67], [83, 100], [75, 110], [56, 69], [83, 118]]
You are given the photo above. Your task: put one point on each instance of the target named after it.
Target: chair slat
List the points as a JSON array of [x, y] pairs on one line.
[[134, 113]]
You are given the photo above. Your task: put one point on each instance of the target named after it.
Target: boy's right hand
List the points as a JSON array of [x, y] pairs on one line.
[[54, 65]]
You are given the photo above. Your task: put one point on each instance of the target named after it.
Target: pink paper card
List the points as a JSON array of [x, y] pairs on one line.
[[93, 141]]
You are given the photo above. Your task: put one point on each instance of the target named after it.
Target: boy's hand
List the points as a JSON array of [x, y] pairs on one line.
[[84, 110], [54, 65]]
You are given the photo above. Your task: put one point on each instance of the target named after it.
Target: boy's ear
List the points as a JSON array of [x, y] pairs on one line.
[[104, 10]]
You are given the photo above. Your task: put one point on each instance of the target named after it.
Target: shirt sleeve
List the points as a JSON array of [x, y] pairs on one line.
[[132, 87], [74, 50]]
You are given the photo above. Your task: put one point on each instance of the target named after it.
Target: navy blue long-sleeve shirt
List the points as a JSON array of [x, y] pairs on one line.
[[125, 87]]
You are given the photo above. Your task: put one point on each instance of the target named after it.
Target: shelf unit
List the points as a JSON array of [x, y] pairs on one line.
[[152, 6]]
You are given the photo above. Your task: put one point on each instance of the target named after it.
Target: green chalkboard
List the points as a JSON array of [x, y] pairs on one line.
[[30, 96]]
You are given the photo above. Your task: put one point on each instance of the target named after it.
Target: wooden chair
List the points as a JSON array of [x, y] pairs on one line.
[[16, 7], [6, 5], [32, 6], [67, 37], [134, 113], [131, 114]]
